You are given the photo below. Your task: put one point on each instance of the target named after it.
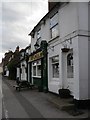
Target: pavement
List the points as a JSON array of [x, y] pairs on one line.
[[65, 105]]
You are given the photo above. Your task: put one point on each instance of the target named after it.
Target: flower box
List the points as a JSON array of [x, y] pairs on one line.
[[65, 49], [64, 93]]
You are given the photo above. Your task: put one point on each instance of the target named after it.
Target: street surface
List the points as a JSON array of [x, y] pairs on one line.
[[28, 104], [0, 97]]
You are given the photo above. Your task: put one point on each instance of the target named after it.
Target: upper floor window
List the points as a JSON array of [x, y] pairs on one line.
[[54, 26], [38, 37], [39, 34]]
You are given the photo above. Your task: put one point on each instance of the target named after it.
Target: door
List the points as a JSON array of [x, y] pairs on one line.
[[68, 71]]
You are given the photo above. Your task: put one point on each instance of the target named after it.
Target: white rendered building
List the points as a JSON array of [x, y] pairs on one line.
[[65, 28]]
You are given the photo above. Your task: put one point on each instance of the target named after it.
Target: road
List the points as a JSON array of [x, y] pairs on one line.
[[0, 97], [27, 104], [17, 106]]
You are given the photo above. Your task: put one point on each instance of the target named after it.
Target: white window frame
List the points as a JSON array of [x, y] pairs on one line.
[[52, 63], [72, 65], [37, 64], [53, 24], [39, 34]]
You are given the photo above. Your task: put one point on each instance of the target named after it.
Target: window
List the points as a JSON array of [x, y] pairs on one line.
[[70, 65], [38, 37], [34, 70], [54, 26], [38, 33], [37, 68], [54, 31], [55, 67]]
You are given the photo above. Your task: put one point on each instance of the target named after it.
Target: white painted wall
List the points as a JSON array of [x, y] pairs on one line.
[[68, 21], [76, 67], [83, 67], [1, 70], [89, 54], [83, 50], [88, 69], [45, 31], [83, 16]]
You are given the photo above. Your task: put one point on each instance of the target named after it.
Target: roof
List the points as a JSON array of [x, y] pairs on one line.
[[29, 46], [22, 50]]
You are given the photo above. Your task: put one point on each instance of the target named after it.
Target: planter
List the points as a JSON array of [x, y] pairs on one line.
[[65, 49], [64, 93]]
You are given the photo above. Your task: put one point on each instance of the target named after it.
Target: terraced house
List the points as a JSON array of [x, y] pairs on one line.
[[59, 50]]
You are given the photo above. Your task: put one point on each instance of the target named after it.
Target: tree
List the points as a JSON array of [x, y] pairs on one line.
[[12, 64]]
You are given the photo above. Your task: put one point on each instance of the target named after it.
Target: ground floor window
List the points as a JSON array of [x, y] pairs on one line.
[[55, 66], [36, 68], [70, 65]]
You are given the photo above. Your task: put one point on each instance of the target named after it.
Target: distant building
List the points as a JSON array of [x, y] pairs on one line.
[[22, 66], [1, 68], [5, 61]]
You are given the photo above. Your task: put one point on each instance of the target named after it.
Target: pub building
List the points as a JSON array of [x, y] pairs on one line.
[[67, 36], [38, 67]]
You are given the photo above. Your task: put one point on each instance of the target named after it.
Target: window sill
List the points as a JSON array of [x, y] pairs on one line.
[[55, 79], [36, 76], [53, 38]]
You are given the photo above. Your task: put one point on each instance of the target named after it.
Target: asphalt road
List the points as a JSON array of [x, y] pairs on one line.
[[0, 97], [27, 104], [16, 106]]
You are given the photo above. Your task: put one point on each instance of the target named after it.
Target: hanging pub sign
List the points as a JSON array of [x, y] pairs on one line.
[[36, 56]]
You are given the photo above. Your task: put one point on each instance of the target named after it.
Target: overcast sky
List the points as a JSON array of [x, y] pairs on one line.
[[18, 19]]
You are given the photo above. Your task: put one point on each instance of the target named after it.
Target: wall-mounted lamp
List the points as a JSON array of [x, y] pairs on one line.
[[52, 48], [36, 46]]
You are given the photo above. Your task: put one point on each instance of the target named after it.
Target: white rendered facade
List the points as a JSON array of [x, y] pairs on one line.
[[72, 25]]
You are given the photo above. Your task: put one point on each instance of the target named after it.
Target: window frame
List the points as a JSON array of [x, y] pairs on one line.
[[71, 65], [38, 34], [36, 65], [38, 41], [55, 25], [52, 64]]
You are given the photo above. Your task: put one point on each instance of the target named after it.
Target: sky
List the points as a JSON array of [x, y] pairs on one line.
[[17, 19]]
